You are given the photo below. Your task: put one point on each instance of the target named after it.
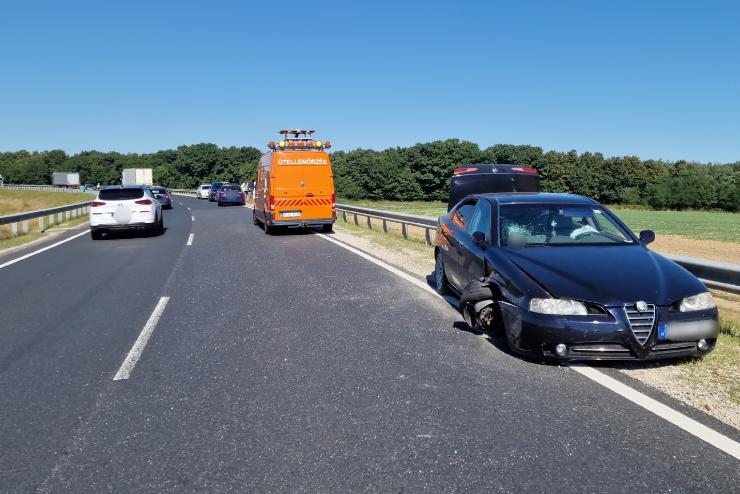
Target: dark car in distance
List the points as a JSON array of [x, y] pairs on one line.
[[215, 188], [162, 195], [487, 178], [565, 279], [230, 194]]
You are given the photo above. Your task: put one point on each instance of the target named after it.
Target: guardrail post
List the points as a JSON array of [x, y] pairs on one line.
[[41, 223], [369, 223], [385, 226], [24, 225], [427, 237], [14, 229], [344, 216], [51, 219], [356, 220], [404, 233]]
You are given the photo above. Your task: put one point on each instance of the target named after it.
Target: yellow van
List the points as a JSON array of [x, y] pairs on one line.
[[295, 183]]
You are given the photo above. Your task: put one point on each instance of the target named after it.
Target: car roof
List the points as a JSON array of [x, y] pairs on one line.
[[538, 198], [108, 187]]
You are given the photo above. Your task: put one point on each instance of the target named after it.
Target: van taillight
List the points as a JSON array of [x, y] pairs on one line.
[[143, 201], [272, 202], [333, 200], [524, 169], [97, 203], [460, 171]]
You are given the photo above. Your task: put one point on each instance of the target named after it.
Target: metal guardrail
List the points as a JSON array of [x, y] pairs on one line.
[[20, 223], [49, 188], [719, 275], [183, 192]]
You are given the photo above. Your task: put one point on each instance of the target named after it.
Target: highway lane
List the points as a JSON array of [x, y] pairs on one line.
[[286, 363], [68, 315]]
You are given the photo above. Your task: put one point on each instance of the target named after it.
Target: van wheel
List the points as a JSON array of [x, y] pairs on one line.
[[254, 217], [268, 229], [96, 234], [327, 228]]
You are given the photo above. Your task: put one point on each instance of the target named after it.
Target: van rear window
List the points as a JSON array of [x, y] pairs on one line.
[[120, 194]]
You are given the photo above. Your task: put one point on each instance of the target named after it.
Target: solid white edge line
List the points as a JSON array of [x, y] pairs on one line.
[[665, 412], [135, 353], [31, 254], [383, 265], [190, 239], [676, 418]]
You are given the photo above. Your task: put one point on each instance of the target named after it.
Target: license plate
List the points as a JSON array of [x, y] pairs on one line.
[[290, 214]]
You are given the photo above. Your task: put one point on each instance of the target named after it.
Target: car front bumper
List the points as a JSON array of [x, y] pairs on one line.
[[609, 337]]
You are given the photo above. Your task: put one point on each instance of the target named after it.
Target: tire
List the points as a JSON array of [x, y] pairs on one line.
[[327, 228], [254, 217], [268, 229], [96, 234], [219, 204], [160, 226], [440, 277]]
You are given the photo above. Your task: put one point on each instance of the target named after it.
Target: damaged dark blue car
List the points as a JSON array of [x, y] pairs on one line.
[[565, 279]]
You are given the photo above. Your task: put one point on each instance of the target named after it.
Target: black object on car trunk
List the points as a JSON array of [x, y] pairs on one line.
[[489, 178]]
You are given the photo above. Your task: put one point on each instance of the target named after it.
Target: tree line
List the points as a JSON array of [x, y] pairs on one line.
[[419, 172]]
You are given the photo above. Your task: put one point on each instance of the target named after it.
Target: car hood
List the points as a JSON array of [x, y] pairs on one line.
[[607, 275]]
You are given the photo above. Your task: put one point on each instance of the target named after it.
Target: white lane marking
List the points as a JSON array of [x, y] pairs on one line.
[[189, 209], [192, 218], [190, 239], [180, 203], [31, 254], [676, 418], [383, 265], [135, 353]]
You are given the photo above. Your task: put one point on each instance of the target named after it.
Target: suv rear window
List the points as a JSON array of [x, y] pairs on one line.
[[120, 194], [233, 187]]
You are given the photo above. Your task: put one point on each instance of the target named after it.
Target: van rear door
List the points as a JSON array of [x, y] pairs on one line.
[[286, 185], [318, 187]]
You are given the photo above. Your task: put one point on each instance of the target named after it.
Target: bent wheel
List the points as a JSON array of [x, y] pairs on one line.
[[440, 278]]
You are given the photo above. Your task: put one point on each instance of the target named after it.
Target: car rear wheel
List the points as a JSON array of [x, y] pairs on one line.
[[440, 278]]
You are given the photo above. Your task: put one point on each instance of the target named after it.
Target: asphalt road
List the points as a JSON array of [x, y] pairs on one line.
[[286, 363]]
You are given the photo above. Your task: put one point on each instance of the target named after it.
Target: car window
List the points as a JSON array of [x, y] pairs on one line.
[[120, 194], [205, 186], [554, 225], [157, 191], [233, 187], [481, 219], [463, 214]]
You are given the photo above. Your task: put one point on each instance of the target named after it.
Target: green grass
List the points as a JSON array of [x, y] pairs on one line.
[[702, 225], [721, 367], [20, 201]]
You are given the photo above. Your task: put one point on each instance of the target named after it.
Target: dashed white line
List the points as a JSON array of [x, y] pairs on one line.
[[192, 218], [135, 353], [665, 412], [189, 209], [190, 239], [31, 254]]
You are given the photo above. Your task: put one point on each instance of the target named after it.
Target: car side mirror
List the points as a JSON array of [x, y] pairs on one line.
[[647, 236], [479, 239]]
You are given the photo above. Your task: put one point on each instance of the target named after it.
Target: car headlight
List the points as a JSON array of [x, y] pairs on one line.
[[701, 301], [557, 306]]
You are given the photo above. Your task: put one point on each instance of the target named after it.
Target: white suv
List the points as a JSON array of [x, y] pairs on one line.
[[203, 191], [125, 208]]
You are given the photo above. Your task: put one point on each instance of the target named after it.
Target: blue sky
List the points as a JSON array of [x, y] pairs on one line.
[[650, 78]]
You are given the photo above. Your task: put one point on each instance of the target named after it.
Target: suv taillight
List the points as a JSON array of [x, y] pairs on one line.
[[95, 204], [143, 202], [460, 171], [272, 202]]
